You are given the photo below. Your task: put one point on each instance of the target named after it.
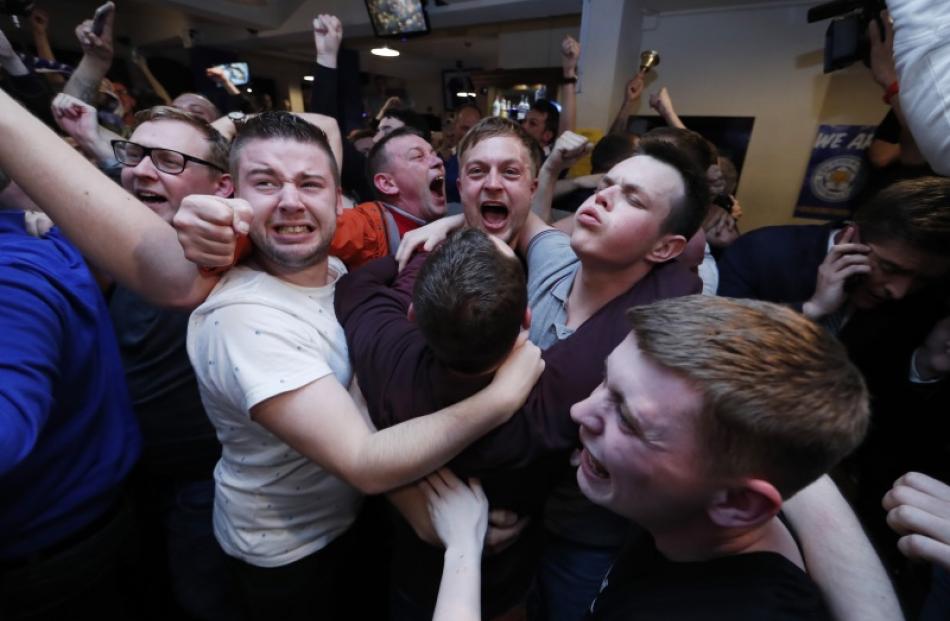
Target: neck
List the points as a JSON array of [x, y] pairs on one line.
[[594, 287], [706, 542], [316, 275]]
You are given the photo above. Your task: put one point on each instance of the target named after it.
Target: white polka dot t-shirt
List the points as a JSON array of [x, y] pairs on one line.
[[255, 337]]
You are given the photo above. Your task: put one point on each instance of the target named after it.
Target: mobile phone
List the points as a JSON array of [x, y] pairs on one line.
[[238, 73], [99, 18]]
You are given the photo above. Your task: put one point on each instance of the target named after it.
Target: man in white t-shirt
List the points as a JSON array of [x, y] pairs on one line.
[[274, 374]]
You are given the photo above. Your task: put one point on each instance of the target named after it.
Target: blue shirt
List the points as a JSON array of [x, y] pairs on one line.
[[68, 437]]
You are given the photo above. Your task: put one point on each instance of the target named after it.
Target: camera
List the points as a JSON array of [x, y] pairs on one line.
[[846, 40], [20, 8]]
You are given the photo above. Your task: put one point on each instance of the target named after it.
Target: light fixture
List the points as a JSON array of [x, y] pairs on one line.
[[249, 90], [385, 51], [308, 78], [465, 94]]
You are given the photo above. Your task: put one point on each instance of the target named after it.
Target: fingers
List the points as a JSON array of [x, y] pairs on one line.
[[243, 216], [902, 495], [926, 484], [907, 519], [502, 518], [925, 548]]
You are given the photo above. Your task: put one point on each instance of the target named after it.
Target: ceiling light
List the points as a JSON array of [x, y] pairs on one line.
[[249, 90], [308, 78], [385, 51]]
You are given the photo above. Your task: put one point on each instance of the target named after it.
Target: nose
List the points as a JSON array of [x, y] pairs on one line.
[[898, 287], [145, 168], [602, 198], [289, 197], [586, 415], [493, 179]]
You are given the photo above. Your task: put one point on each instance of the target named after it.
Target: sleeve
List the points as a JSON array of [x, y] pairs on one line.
[[359, 237], [249, 353], [31, 330], [548, 255], [323, 95]]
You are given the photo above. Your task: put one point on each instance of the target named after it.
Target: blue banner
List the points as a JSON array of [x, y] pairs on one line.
[[836, 172]]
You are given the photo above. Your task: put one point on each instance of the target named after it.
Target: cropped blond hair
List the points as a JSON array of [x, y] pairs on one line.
[[782, 401]]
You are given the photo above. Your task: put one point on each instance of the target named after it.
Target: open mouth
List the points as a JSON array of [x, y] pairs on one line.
[[593, 466], [292, 229], [494, 215], [437, 187], [150, 197]]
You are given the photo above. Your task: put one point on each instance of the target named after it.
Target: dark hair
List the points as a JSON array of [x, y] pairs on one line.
[[700, 150], [377, 159], [914, 211], [611, 150], [469, 300], [412, 119], [553, 117], [686, 215], [281, 125], [495, 127]]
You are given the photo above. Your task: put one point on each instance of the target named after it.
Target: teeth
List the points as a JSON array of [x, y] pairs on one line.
[[292, 229]]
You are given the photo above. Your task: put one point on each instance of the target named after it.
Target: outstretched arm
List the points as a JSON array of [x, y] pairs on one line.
[[570, 55], [663, 104], [839, 556], [630, 102], [112, 229]]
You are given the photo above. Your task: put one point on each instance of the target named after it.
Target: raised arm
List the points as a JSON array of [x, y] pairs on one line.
[[142, 63], [631, 101], [79, 120], [39, 24], [839, 557], [96, 58], [663, 104], [568, 149], [112, 229], [570, 55]]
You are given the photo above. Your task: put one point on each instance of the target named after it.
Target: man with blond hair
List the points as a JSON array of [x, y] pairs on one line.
[[711, 414]]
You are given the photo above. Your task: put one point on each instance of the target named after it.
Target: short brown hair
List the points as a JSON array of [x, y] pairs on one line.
[[494, 127], [218, 146], [281, 125], [914, 211], [782, 402]]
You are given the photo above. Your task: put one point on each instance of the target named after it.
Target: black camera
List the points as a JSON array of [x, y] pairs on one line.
[[846, 40], [20, 8]]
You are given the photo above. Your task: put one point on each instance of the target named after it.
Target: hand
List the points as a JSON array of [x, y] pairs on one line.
[[843, 261], [208, 227], [504, 528], [570, 54], [635, 88], [882, 51], [327, 35], [716, 180], [98, 47], [38, 223], [428, 236], [918, 507], [517, 375], [39, 20], [933, 357], [661, 102], [76, 118], [392, 102], [720, 228], [568, 149], [220, 77], [459, 512], [736, 209]]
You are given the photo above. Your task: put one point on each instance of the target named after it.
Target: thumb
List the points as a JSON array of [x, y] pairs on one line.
[[243, 216]]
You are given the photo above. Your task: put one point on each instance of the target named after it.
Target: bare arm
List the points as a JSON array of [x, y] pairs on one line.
[[79, 120], [663, 104], [568, 149], [631, 102], [839, 556], [375, 462], [570, 55], [142, 63], [39, 21], [96, 59], [111, 228]]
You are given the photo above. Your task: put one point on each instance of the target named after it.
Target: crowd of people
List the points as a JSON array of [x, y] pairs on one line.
[[251, 368]]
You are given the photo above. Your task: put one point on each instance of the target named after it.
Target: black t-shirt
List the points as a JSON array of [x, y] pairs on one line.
[[643, 585], [179, 440]]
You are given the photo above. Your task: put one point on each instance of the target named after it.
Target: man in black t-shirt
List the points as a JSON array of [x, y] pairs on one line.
[[712, 412]]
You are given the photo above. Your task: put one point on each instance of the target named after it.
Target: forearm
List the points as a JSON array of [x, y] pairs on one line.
[[839, 556], [408, 451], [44, 51], [568, 118], [544, 194], [99, 145], [110, 227], [84, 82], [410, 501], [154, 84], [460, 589], [619, 126]]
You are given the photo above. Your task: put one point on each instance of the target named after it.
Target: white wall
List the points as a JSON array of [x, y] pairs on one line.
[[766, 63]]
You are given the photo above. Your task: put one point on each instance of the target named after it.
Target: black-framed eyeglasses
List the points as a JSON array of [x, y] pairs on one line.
[[166, 160]]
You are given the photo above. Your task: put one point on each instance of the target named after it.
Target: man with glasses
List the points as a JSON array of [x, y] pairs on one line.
[[171, 154]]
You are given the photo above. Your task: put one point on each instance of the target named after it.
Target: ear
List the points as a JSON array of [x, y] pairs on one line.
[[534, 186], [526, 320], [224, 186], [667, 247], [385, 183], [339, 201], [747, 504], [411, 313]]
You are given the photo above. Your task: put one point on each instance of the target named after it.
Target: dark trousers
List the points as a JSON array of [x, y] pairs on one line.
[[89, 575]]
